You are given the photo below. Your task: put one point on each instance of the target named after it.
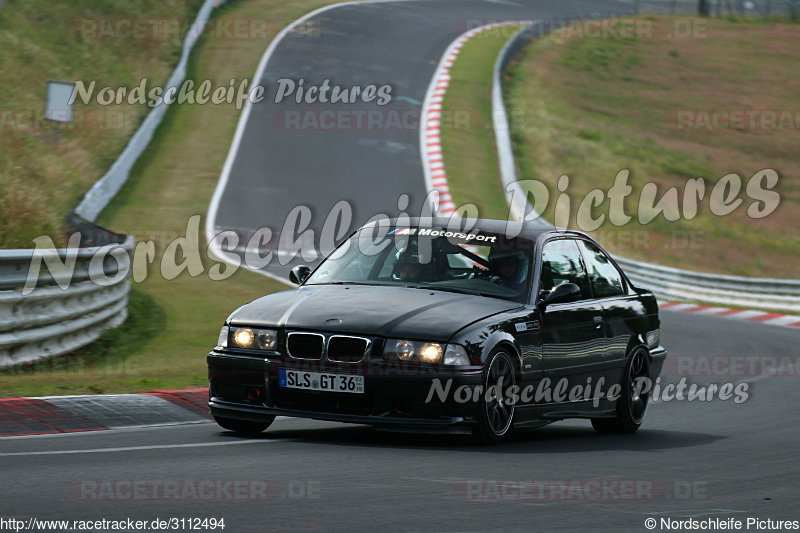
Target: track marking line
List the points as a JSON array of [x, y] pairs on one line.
[[213, 206], [136, 448]]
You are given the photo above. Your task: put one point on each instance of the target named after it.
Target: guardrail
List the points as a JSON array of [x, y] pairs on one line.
[[665, 282], [62, 308], [720, 8], [683, 285], [52, 320], [109, 185]]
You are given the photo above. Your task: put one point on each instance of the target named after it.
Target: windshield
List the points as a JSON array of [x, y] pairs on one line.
[[476, 262]]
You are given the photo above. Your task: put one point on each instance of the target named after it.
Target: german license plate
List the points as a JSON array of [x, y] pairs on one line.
[[294, 379]]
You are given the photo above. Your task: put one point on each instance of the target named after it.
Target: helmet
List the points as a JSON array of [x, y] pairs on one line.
[[510, 265], [408, 266]]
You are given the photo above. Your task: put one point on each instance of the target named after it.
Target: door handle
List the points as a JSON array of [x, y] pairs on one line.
[[598, 321]]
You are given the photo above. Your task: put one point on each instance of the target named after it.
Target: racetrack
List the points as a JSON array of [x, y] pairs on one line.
[[289, 154], [690, 459]]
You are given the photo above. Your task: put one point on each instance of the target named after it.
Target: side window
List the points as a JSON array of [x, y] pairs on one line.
[[561, 263], [606, 279]]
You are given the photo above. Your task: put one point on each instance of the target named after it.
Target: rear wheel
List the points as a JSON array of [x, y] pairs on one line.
[[245, 427], [632, 404], [497, 411]]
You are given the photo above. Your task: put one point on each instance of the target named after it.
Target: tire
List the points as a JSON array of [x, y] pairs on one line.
[[496, 417], [245, 427], [631, 407]]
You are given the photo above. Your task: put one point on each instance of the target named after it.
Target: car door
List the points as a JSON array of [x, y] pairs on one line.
[[621, 306], [573, 341]]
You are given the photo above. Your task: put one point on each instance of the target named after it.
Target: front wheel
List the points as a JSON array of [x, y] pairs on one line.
[[632, 404], [245, 427], [497, 409]]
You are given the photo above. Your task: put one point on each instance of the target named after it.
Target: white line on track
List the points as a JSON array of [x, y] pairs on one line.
[[213, 207], [136, 448], [106, 431], [120, 429]]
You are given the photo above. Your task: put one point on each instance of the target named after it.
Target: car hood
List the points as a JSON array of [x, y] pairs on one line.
[[377, 311]]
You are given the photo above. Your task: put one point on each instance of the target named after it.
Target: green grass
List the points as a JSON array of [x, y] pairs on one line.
[[44, 173], [589, 108], [468, 147], [166, 343]]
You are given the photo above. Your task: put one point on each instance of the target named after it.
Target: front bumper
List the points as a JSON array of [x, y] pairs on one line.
[[393, 398]]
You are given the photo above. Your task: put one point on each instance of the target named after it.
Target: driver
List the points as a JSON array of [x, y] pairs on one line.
[[407, 267], [510, 265]]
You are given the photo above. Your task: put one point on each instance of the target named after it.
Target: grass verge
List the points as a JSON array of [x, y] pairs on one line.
[[46, 169], [173, 181], [588, 108]]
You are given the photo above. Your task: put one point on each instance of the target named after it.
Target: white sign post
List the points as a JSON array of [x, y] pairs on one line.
[[57, 107]]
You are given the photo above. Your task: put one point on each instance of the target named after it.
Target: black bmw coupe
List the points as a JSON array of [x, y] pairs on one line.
[[419, 326]]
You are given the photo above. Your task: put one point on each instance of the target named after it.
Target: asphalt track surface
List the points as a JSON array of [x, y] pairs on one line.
[[690, 459], [284, 161]]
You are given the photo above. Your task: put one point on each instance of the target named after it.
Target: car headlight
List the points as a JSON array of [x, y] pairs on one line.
[[427, 352], [253, 339], [405, 350], [431, 352], [243, 338]]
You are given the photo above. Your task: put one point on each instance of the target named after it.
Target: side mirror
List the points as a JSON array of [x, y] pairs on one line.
[[299, 274], [565, 292]]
